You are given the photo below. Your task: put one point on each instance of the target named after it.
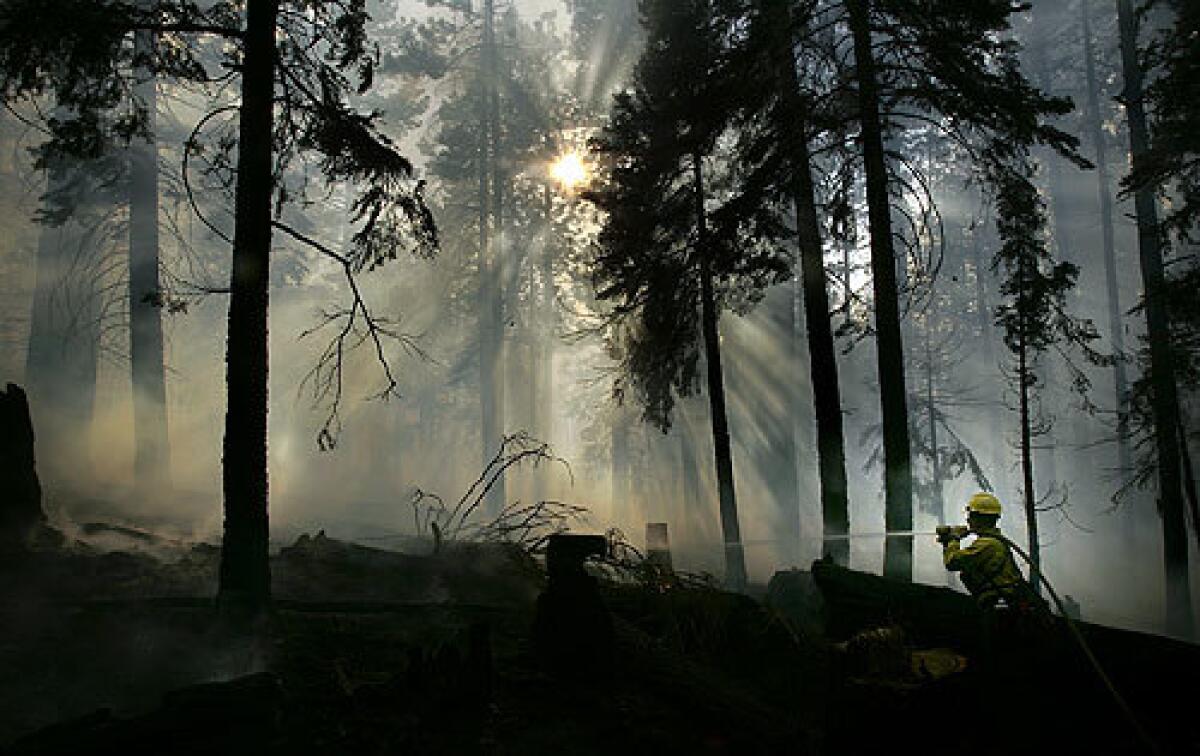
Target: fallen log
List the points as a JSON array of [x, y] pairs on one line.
[[1137, 663]]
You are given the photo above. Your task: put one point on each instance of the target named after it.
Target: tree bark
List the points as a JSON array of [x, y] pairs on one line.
[[1059, 205], [619, 462], [1115, 325], [151, 458], [1189, 480], [735, 558], [1025, 378], [939, 504], [888, 340], [1162, 369], [780, 429], [823, 369], [689, 472], [245, 571], [548, 333], [995, 414], [491, 269]]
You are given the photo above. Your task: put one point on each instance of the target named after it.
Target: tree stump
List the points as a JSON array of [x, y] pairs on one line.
[[20, 492]]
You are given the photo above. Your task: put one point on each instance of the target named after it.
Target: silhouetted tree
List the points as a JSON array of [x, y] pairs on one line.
[[1147, 170], [293, 101], [1096, 136], [945, 64], [677, 246], [777, 150], [1034, 316]]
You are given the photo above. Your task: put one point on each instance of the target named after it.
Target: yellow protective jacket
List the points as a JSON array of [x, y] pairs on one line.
[[987, 567]]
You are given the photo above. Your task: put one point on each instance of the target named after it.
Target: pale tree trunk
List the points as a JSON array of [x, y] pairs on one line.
[[1111, 278], [545, 331], [939, 504], [619, 462], [64, 336], [995, 412], [491, 263], [1162, 369], [888, 340], [782, 433], [689, 471], [151, 459]]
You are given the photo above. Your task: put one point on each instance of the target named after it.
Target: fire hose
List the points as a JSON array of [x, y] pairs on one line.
[[1076, 635], [1087, 649]]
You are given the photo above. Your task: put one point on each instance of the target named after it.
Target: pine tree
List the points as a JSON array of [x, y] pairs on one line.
[[71, 48], [1171, 158], [1033, 316], [675, 250]]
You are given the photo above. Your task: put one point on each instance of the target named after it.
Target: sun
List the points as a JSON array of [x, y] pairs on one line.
[[569, 170]]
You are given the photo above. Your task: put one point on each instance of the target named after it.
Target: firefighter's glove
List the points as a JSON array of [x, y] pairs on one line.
[[948, 533]]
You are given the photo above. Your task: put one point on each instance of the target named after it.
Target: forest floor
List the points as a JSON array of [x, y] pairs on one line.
[[373, 651]]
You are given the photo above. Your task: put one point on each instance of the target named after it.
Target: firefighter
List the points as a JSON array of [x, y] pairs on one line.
[[1015, 620], [981, 555]]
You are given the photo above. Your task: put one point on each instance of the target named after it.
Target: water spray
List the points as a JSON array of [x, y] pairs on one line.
[[839, 537]]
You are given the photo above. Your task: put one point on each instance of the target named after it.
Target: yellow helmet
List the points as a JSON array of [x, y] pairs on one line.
[[984, 503]]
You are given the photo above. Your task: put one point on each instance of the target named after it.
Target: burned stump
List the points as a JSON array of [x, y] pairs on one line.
[[20, 492], [572, 629]]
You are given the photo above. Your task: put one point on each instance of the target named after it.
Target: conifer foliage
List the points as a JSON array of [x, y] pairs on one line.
[[680, 242], [298, 62]]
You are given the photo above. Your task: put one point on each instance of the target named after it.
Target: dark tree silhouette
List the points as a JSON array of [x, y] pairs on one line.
[[1164, 390], [897, 560], [1034, 316], [293, 102], [940, 65], [1116, 328], [675, 249], [782, 149]]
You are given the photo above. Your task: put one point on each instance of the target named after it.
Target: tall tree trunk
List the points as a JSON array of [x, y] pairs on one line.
[[1115, 325], [1026, 380], [803, 432], [779, 462], [1046, 18], [541, 319], [1189, 480], [939, 498], [619, 462], [689, 472], [245, 571], [491, 269], [64, 335], [1162, 367], [823, 369], [487, 363], [735, 558], [994, 411], [897, 462], [547, 330], [151, 459], [939, 503]]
